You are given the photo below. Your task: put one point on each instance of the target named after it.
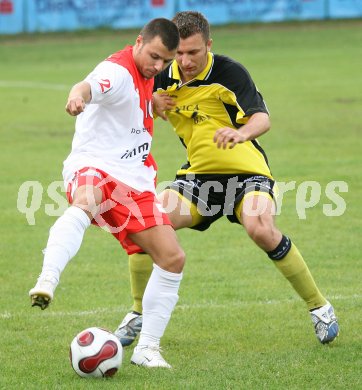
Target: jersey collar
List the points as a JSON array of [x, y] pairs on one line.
[[175, 72]]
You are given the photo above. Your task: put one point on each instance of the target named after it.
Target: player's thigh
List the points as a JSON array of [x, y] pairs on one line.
[[256, 208], [83, 191], [88, 198], [179, 209], [161, 243], [257, 215], [88, 195]]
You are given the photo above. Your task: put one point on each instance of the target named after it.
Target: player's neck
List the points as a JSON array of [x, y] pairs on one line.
[[185, 79]]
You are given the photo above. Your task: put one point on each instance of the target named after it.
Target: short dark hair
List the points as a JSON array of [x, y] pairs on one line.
[[190, 23], [165, 29]]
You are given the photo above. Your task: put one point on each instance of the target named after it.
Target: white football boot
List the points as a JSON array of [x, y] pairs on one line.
[[149, 356], [43, 292]]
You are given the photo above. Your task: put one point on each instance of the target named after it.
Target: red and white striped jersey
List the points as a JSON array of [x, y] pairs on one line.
[[114, 133]]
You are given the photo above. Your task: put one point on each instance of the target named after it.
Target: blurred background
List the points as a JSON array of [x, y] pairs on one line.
[[28, 16]]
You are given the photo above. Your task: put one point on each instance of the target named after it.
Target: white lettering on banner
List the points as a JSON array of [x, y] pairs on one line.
[[44, 6]]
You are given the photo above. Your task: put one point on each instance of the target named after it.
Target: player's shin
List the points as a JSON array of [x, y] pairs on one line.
[[140, 269], [65, 238], [291, 264], [159, 300]]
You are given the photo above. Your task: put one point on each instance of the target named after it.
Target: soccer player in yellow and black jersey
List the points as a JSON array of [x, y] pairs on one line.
[[218, 113]]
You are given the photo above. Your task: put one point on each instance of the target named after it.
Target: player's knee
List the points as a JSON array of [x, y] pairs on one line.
[[262, 233], [178, 260], [255, 232], [175, 261]]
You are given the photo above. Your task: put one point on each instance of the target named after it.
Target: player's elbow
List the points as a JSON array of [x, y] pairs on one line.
[[261, 120], [267, 122]]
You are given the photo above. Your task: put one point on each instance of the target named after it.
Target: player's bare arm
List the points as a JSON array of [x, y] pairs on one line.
[[79, 95], [258, 124], [162, 102]]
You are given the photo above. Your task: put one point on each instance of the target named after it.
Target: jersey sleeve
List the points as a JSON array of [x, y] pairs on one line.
[[161, 79], [106, 81], [248, 99]]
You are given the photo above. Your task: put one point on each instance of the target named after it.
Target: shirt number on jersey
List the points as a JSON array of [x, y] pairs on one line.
[[105, 85]]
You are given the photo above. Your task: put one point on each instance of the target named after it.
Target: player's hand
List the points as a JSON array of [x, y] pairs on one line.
[[162, 102], [75, 105], [227, 135]]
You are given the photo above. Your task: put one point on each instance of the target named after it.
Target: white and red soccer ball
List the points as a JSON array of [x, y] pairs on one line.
[[96, 352]]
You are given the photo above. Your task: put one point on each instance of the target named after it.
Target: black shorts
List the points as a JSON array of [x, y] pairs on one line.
[[217, 195]]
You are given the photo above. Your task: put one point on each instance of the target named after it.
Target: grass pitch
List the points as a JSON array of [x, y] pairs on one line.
[[238, 324]]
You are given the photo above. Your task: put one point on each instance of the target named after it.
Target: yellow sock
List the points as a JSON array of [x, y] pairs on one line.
[[293, 267], [140, 268]]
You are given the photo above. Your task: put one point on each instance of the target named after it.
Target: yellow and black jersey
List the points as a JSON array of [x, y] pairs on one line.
[[222, 95]]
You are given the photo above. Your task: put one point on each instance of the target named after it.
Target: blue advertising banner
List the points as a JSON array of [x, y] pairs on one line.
[[62, 15], [345, 8], [68, 15], [245, 11], [11, 16], [312, 9]]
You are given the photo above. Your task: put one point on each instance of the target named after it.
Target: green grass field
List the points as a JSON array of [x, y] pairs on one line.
[[238, 324]]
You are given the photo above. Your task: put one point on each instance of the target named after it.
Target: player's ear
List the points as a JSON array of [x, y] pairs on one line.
[[209, 44], [139, 40]]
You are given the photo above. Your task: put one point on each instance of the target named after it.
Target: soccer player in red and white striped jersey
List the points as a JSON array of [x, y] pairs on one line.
[[110, 179]]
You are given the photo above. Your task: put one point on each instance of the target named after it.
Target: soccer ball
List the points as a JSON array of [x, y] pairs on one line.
[[96, 352]]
